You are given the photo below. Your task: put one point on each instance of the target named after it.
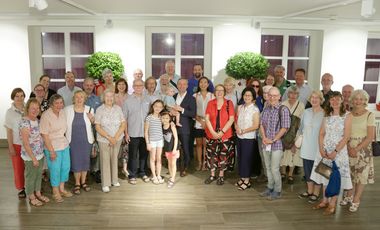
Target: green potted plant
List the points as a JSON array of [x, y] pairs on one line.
[[99, 61], [246, 65]]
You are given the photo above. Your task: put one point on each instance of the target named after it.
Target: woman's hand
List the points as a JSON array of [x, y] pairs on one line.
[[91, 117], [53, 155], [127, 138], [293, 150], [203, 123], [267, 141], [352, 151], [12, 151], [148, 147], [112, 140], [323, 153], [332, 155], [35, 162], [215, 135]]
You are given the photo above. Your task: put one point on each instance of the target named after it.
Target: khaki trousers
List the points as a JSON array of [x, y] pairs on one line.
[[109, 163]]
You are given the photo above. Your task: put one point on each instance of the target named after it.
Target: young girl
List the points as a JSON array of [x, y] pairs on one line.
[[154, 140], [171, 147]]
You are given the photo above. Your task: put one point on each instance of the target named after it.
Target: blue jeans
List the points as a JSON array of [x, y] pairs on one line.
[[272, 164], [60, 167]]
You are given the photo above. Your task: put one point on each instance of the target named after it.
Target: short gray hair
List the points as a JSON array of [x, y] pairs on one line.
[[106, 71], [293, 89], [104, 94], [362, 93]]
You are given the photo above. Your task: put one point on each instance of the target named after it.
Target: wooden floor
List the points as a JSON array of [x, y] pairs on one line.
[[189, 205]]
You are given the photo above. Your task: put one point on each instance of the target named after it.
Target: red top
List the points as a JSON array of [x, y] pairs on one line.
[[212, 111]]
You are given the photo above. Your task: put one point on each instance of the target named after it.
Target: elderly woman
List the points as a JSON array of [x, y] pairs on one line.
[[248, 120], [108, 82], [269, 80], [79, 134], [44, 81], [231, 93], [359, 149], [333, 136], [32, 152], [219, 148], [291, 157], [309, 129], [39, 92], [12, 120], [110, 125], [202, 97], [57, 151]]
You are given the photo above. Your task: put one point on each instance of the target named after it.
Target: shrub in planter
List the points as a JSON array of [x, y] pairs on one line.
[[99, 61], [246, 65]]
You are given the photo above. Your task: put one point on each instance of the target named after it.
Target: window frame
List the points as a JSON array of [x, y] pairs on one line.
[[372, 105]]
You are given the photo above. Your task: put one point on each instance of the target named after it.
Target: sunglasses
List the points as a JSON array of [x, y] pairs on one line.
[[255, 86]]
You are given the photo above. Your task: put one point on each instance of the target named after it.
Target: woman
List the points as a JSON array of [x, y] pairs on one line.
[[32, 152], [79, 134], [333, 136], [108, 82], [309, 129], [202, 97], [248, 116], [57, 151], [121, 94], [219, 148], [360, 149], [12, 120], [291, 157], [231, 94], [269, 80], [45, 81], [266, 89], [40, 93], [256, 85], [110, 125]]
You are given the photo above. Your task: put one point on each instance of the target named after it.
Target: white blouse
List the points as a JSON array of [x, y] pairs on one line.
[[245, 120], [201, 106]]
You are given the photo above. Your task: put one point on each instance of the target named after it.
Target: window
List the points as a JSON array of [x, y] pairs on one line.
[[372, 69], [186, 46], [289, 48], [64, 50]]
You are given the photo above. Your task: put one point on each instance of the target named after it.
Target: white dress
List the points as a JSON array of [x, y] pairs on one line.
[[334, 128]]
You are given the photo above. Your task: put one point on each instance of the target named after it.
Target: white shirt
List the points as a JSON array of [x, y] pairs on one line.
[[245, 120], [201, 106], [180, 98], [68, 94], [12, 120]]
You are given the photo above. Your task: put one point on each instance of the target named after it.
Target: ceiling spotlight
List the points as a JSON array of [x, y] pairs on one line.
[[109, 23], [38, 4]]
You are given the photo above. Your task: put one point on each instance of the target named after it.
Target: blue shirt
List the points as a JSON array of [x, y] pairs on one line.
[[193, 86], [93, 101]]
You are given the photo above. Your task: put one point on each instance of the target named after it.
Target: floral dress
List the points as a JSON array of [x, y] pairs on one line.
[[334, 131]]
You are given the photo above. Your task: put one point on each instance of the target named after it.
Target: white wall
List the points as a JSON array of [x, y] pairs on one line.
[[14, 64], [343, 56]]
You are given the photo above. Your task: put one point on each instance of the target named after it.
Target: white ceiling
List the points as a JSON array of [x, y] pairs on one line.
[[348, 10]]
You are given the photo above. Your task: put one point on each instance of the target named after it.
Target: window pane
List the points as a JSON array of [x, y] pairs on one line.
[[298, 46], [296, 64], [273, 63], [53, 43], [163, 44], [77, 66], [271, 45], [187, 66], [371, 71], [81, 43], [56, 85], [192, 44], [373, 48], [54, 67], [371, 90], [158, 66]]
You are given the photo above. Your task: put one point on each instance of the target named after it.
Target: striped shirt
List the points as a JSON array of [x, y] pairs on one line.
[[155, 128]]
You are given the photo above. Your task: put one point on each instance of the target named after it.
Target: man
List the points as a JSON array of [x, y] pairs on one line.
[[326, 81], [304, 89], [170, 71], [193, 81], [346, 92], [150, 89], [137, 74], [186, 106], [275, 121], [135, 110], [67, 91], [281, 83], [94, 102]]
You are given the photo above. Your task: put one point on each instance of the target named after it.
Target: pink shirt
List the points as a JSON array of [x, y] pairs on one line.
[[54, 126]]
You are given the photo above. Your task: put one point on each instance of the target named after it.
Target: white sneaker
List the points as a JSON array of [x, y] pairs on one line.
[[106, 189], [117, 184], [160, 180], [155, 180]]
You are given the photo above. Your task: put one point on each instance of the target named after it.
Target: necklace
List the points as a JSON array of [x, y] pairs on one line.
[[359, 113]]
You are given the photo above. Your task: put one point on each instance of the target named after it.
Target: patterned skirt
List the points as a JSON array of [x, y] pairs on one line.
[[219, 154], [361, 166]]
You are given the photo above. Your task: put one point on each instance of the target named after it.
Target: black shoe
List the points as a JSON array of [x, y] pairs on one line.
[[210, 179], [220, 180]]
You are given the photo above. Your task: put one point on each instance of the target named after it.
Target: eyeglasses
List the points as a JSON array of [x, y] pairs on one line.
[[273, 95], [255, 86]]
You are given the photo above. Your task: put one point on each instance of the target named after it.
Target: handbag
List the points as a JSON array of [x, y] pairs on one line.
[[298, 141], [333, 187], [323, 169]]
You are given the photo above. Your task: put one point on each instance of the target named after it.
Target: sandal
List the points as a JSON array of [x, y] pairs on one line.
[[313, 198], [243, 186], [85, 187], [145, 179], [320, 206], [220, 180], [58, 198], [210, 179], [35, 202], [76, 189], [329, 210], [132, 181], [66, 194], [304, 195], [354, 207], [290, 180], [43, 198], [22, 194], [170, 183], [346, 200], [240, 181]]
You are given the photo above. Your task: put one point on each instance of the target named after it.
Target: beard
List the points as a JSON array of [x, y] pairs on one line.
[[198, 75]]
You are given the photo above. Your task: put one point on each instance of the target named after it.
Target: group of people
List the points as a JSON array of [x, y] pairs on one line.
[[256, 126]]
